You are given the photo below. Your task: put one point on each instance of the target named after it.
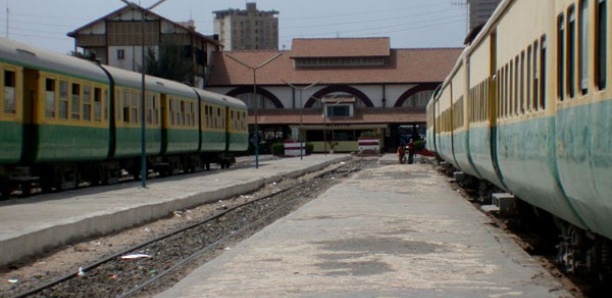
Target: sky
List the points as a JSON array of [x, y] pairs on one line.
[[408, 23]]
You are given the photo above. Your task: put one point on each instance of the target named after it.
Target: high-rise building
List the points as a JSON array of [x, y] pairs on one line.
[[480, 11], [249, 29]]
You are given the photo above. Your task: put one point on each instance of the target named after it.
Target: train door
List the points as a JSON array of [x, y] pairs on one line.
[[494, 99], [11, 114], [31, 113]]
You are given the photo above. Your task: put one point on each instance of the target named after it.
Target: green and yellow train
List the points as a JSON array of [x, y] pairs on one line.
[[65, 120], [528, 109]]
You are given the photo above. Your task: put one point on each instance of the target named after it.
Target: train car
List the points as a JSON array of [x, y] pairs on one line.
[[238, 127], [126, 127], [55, 114], [583, 112], [480, 109], [443, 133], [66, 120], [538, 113], [224, 127]]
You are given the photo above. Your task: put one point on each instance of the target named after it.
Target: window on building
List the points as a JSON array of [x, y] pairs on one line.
[[338, 111], [419, 100], [120, 54]]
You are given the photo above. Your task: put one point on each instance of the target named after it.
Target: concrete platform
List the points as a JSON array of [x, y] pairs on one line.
[[31, 225], [392, 231]]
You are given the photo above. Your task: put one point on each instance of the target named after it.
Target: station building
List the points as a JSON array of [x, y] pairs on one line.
[[326, 91], [331, 91]]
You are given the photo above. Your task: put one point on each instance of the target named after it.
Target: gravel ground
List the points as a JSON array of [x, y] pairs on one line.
[[27, 275]]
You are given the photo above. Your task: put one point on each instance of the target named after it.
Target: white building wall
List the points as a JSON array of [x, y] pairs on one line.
[[290, 101], [132, 59]]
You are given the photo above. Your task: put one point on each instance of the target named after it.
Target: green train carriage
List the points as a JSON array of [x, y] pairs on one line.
[[60, 109]]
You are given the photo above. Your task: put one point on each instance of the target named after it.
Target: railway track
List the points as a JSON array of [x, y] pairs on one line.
[[153, 265]]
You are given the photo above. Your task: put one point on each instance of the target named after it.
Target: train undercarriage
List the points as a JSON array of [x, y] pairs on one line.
[[580, 254], [21, 180]]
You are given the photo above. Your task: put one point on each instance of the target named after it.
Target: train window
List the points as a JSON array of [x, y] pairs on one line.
[[543, 73], [560, 57], [10, 95], [506, 91], [182, 112], [155, 110], [173, 109], [126, 106], [134, 107], [487, 96], [571, 52], [517, 89], [208, 115], [502, 84], [535, 75], [192, 109], [105, 100], [87, 103], [63, 93], [601, 44], [149, 109], [50, 99], [584, 46], [75, 102], [510, 90], [97, 104], [522, 86], [528, 98]]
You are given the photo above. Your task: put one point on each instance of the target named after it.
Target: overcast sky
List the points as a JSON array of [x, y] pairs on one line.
[[409, 23]]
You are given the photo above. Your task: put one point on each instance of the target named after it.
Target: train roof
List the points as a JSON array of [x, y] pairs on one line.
[[32, 57], [221, 99], [126, 78]]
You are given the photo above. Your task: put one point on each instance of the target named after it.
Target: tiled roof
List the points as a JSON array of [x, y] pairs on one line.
[[127, 8], [340, 47], [405, 66]]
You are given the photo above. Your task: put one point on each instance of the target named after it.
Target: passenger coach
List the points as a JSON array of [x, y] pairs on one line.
[[66, 120], [528, 109]]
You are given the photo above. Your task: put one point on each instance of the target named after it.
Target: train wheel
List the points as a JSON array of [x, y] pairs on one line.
[[5, 190]]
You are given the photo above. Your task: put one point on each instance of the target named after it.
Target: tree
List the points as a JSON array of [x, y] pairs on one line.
[[174, 63]]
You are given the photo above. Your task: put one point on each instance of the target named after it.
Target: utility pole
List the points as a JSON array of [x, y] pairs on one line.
[[254, 69], [302, 140], [143, 153]]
